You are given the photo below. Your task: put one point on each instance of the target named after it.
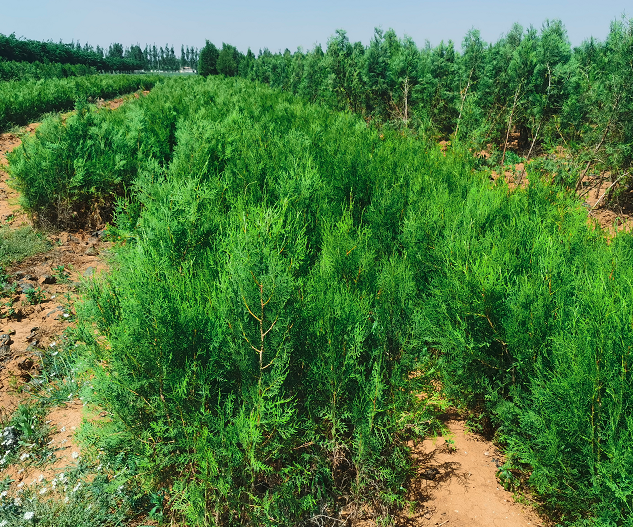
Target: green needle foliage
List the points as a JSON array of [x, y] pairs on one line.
[[250, 328], [529, 92], [23, 101], [289, 277], [14, 70]]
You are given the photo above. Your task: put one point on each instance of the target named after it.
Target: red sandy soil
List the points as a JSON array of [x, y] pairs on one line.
[[115, 103], [457, 485], [41, 325]]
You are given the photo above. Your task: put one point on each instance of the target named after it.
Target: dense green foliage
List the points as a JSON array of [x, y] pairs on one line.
[[11, 70], [21, 50], [287, 268], [72, 55], [207, 63], [21, 102], [529, 91], [251, 333]]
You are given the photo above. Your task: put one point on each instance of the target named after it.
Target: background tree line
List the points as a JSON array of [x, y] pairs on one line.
[[16, 53]]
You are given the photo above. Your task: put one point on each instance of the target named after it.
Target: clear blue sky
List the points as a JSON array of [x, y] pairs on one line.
[[280, 24]]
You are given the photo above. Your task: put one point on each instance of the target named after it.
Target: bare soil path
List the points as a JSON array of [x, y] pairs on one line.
[[457, 484], [33, 328]]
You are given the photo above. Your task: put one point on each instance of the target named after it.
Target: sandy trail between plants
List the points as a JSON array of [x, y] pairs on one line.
[[457, 485], [35, 328]]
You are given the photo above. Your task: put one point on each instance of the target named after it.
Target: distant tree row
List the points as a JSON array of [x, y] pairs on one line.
[[225, 61], [164, 59], [115, 58], [530, 85]]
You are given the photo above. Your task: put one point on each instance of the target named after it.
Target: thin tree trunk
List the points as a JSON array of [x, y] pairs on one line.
[[461, 107], [505, 146]]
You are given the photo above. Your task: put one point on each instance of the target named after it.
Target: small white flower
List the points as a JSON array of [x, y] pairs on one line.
[[77, 486], [63, 427], [29, 515], [53, 344], [66, 315], [40, 478], [54, 483], [66, 499], [17, 502], [21, 484], [3, 494], [24, 456], [54, 353], [75, 455], [4, 523], [61, 476], [44, 490], [52, 296]]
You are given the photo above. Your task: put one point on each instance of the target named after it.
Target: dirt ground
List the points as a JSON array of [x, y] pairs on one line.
[[457, 485], [592, 189], [34, 327]]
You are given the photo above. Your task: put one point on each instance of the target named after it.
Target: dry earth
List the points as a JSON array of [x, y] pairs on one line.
[[456, 484], [36, 327]]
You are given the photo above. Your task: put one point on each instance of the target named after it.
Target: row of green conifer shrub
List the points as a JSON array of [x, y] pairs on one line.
[[287, 268], [23, 101], [531, 81], [76, 165], [531, 315], [259, 342], [14, 70]]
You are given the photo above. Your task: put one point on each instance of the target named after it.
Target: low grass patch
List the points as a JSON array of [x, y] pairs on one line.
[[18, 244]]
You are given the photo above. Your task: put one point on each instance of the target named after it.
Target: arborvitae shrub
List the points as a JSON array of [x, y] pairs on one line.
[[356, 258]]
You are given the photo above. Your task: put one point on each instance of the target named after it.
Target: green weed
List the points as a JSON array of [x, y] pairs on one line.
[[61, 275], [17, 244], [35, 296]]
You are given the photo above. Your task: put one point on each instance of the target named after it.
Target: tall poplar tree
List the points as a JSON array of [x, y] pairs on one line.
[[207, 63]]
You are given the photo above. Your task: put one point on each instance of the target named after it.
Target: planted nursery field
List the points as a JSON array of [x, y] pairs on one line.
[[269, 295], [22, 101], [288, 281]]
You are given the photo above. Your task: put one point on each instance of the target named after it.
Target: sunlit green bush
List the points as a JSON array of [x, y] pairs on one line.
[[23, 101], [287, 268]]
